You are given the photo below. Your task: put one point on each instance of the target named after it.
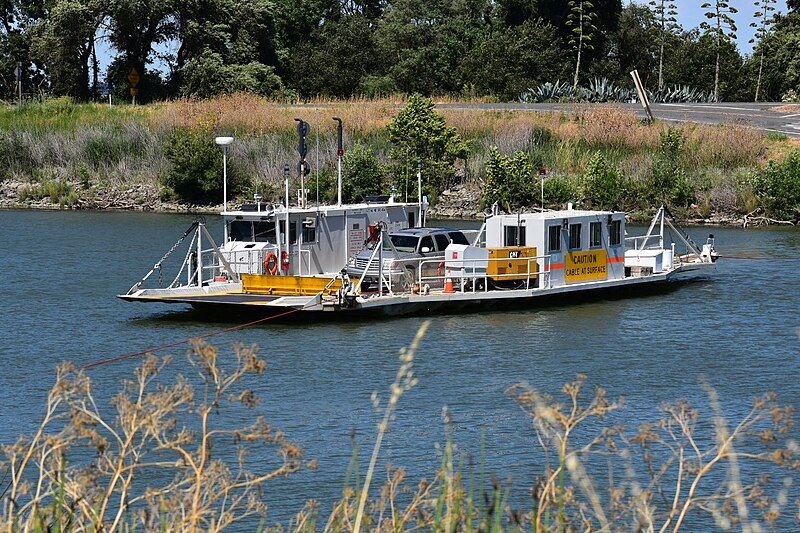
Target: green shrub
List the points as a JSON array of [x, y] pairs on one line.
[[420, 135], [602, 185], [196, 173], [559, 190], [362, 174], [668, 182], [777, 186], [57, 190], [512, 182]]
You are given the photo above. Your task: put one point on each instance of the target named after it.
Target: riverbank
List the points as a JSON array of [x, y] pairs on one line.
[[60, 155]]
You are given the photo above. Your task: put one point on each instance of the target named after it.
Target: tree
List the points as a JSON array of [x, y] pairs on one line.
[[763, 23], [64, 42], [420, 136], [136, 27], [581, 20], [666, 13], [362, 174], [510, 181], [723, 27]]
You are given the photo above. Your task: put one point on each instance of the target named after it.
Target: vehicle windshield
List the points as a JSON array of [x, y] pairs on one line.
[[402, 243]]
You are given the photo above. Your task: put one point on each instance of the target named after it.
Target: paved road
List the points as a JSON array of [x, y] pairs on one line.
[[762, 116]]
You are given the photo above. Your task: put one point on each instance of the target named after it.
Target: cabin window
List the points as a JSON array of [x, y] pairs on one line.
[[595, 234], [241, 230], [264, 231], [615, 232], [292, 232], [442, 242], [574, 236], [554, 239], [411, 219], [309, 234], [514, 236]]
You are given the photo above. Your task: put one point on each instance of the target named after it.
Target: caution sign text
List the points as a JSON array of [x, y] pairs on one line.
[[585, 266]]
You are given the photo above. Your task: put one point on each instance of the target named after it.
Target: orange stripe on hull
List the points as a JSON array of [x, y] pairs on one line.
[[616, 259]]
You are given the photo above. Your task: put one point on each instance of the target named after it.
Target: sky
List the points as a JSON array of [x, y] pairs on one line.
[[690, 15]]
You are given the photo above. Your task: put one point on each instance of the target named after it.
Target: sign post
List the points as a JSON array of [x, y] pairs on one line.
[[642, 94], [133, 79]]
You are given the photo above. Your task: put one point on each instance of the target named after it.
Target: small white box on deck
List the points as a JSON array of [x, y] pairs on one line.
[[461, 260]]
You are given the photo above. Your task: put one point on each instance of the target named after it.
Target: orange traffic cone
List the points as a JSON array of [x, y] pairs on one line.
[[448, 284]]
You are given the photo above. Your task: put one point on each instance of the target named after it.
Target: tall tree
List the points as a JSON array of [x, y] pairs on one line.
[[763, 22], [64, 41], [723, 27], [137, 26], [666, 13], [581, 21]]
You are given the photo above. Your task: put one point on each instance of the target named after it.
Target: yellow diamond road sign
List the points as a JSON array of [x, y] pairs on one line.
[[133, 77]]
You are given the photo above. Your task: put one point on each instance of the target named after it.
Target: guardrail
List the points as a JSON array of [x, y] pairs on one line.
[[640, 242], [399, 280]]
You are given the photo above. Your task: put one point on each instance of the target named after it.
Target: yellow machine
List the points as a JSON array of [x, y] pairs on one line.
[[514, 265]]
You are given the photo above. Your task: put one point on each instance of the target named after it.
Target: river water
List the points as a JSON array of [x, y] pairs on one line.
[[738, 330]]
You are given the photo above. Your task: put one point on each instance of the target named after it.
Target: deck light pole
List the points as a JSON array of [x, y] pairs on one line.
[[224, 142], [339, 155]]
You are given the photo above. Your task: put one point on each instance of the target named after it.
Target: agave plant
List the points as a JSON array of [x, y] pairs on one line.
[[548, 92], [680, 94]]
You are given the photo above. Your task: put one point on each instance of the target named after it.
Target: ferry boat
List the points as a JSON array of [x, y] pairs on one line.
[[293, 259]]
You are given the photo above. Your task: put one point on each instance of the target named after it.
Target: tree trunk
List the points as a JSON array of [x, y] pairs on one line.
[[580, 46], [760, 69], [716, 69], [661, 62]]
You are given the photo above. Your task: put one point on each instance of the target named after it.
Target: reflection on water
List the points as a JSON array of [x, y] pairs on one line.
[[739, 329]]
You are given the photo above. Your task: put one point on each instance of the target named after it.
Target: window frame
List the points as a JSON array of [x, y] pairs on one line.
[[592, 226], [615, 233], [550, 233], [577, 235]]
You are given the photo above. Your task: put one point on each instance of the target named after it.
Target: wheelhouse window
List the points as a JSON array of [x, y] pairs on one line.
[[514, 236], [615, 232], [241, 230], [309, 234], [595, 234], [574, 236], [554, 239], [442, 242], [264, 231]]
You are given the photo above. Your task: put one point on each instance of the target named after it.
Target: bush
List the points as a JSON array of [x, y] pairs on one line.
[[668, 183], [603, 185], [196, 173], [57, 190], [778, 187], [362, 174], [559, 190], [420, 135], [510, 181]]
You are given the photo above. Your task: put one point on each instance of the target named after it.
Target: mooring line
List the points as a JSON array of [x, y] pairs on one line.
[[122, 357]]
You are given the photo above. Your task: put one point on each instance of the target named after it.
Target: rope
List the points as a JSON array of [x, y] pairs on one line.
[[123, 357]]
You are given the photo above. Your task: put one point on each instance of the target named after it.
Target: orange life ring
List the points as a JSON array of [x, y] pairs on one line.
[[271, 264], [285, 260]]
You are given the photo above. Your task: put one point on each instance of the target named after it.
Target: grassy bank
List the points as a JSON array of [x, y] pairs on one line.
[[93, 148]]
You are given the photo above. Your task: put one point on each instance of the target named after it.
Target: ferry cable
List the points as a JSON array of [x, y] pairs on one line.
[[130, 355]]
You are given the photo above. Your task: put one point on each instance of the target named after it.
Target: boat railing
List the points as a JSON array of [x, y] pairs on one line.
[[645, 242], [466, 272]]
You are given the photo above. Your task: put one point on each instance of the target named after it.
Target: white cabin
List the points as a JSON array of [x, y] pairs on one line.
[[574, 245]]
